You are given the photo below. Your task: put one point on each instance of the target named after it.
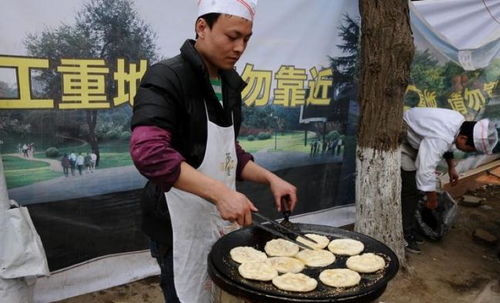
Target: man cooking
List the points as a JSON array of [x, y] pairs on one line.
[[430, 135], [187, 115]]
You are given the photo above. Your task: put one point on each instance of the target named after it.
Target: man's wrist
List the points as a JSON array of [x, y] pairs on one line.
[[215, 190]]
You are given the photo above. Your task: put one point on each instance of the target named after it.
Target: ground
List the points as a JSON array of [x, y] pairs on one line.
[[454, 270]]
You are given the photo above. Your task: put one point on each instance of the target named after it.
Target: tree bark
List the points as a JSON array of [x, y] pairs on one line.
[[386, 55], [91, 116]]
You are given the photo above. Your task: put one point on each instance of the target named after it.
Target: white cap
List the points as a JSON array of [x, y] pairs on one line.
[[485, 136], [241, 8]]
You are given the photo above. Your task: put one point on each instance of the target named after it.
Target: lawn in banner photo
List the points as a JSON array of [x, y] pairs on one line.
[[288, 141], [20, 172]]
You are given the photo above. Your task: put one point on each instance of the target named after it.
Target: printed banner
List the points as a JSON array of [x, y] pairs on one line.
[[69, 71]]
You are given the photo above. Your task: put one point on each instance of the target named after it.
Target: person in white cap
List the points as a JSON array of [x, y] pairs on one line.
[[430, 134], [187, 115]]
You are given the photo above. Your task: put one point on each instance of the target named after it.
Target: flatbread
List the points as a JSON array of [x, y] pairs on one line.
[[295, 282], [322, 241], [286, 264], [347, 247], [339, 277], [281, 248], [261, 271], [242, 254], [365, 263], [316, 258]]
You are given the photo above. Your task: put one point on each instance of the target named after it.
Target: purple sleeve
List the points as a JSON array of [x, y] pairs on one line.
[[154, 156], [243, 158]]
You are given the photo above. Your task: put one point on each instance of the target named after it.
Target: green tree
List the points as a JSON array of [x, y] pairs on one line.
[[426, 72], [257, 117], [345, 68], [106, 29]]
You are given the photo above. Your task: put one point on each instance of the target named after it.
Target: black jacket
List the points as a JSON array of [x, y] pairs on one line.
[[171, 96]]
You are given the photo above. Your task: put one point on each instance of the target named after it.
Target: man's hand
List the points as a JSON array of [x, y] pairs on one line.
[[280, 188], [452, 173], [235, 206], [431, 202]]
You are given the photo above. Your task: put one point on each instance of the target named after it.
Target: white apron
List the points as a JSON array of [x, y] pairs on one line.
[[196, 223]]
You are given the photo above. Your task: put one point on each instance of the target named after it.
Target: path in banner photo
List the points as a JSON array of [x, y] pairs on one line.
[[57, 187], [457, 269]]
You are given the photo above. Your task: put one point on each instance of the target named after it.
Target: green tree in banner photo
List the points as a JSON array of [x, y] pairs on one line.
[[108, 30]]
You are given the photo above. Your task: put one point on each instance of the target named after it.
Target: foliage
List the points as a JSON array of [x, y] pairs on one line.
[[332, 135], [250, 137], [125, 135], [492, 72], [345, 68], [426, 72], [107, 29], [10, 123], [108, 130], [103, 29], [112, 134], [257, 117], [263, 136], [7, 91], [52, 152]]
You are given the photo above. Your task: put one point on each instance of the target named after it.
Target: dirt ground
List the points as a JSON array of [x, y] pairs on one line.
[[454, 270]]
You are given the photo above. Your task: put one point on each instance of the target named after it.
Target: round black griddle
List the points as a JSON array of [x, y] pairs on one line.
[[224, 271]]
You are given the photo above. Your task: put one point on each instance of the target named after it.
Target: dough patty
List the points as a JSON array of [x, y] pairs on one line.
[[242, 254], [340, 277], [295, 282], [348, 247], [365, 263]]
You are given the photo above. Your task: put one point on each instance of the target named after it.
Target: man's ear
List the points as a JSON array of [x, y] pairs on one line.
[[200, 27], [462, 138], [461, 143]]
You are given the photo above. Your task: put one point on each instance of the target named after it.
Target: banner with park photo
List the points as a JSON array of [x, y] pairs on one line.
[[69, 71], [68, 75]]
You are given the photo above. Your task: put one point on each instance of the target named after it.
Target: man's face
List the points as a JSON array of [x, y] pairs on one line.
[[222, 45], [461, 144]]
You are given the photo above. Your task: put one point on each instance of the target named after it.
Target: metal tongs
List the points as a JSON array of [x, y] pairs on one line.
[[275, 227]]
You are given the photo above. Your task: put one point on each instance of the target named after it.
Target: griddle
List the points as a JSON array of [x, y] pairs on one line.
[[224, 271]]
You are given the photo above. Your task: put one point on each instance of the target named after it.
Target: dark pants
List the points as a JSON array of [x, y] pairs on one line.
[[409, 200], [165, 258]]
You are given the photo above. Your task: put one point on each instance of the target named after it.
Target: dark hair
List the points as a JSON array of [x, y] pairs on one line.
[[467, 129], [210, 18]]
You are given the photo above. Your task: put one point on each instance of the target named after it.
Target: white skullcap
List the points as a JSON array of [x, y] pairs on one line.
[[240, 8], [485, 136]]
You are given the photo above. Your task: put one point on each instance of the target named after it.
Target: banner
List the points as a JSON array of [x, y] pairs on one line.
[[69, 71]]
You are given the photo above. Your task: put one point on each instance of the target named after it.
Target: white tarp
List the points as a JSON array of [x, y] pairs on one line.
[[464, 31], [22, 256]]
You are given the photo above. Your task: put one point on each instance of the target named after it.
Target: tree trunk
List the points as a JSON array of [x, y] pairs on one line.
[[386, 55], [92, 122]]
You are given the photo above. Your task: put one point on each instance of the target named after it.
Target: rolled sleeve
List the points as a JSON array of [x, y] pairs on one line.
[[243, 158], [430, 152], [154, 156]]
